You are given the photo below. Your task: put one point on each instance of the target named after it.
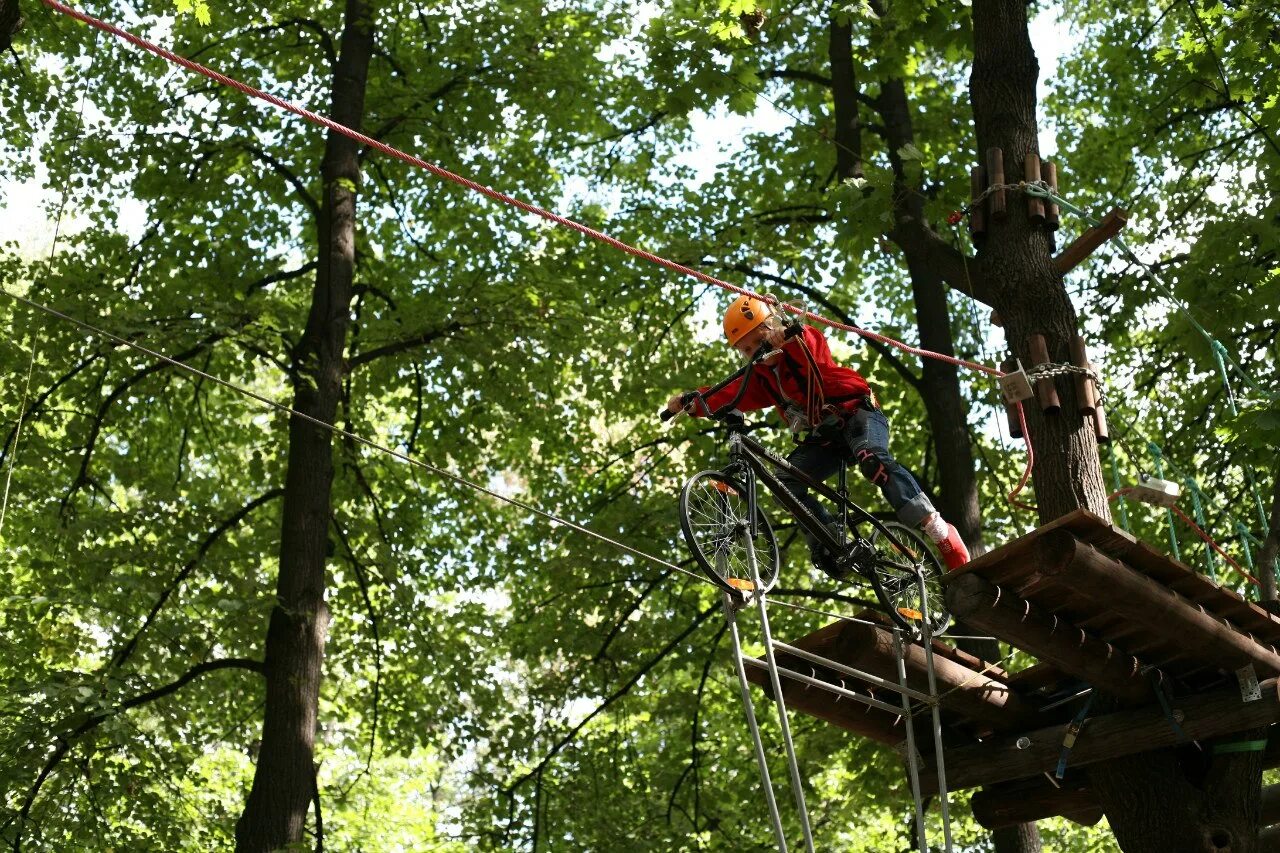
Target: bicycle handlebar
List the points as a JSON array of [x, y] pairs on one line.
[[792, 330]]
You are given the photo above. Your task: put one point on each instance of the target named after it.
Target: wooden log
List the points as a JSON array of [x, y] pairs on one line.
[[995, 174], [972, 695], [1100, 430], [1088, 242], [1049, 174], [1208, 715], [977, 208], [1086, 396], [984, 606], [1011, 409], [1269, 840], [848, 714], [1046, 393], [1035, 204], [1113, 586], [1009, 804]]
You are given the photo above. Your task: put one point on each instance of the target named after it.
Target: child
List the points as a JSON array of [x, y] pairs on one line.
[[808, 387]]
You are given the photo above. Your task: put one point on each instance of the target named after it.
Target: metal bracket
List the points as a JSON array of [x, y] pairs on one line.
[[1155, 491], [1250, 691], [1015, 387]]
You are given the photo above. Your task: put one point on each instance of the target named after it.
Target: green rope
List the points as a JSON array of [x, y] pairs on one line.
[[1240, 746], [1115, 479], [1041, 190], [1157, 456], [1197, 509]]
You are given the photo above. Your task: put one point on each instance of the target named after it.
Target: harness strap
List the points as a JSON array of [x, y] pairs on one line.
[[1069, 738]]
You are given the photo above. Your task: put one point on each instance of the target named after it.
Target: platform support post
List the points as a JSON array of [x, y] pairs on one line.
[[926, 640], [797, 786], [913, 767], [731, 617]]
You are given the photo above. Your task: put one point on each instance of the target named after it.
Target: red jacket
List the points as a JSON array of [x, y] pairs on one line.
[[786, 381]]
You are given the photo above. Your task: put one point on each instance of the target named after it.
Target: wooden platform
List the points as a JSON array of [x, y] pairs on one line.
[[1096, 608]]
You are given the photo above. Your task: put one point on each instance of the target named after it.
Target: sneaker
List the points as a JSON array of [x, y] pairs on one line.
[[826, 563], [952, 548]]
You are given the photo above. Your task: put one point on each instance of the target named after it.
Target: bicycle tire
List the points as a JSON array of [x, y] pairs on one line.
[[901, 555], [713, 517]]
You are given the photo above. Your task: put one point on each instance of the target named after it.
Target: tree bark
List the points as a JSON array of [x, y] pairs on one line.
[[283, 783], [1156, 802], [940, 384], [10, 22]]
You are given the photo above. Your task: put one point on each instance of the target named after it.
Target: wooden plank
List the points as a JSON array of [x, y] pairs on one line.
[[1114, 585], [969, 694], [1088, 242], [1012, 552], [978, 603], [1027, 801], [1107, 736], [848, 714]]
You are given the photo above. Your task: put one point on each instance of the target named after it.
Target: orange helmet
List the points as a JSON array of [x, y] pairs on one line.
[[743, 315]]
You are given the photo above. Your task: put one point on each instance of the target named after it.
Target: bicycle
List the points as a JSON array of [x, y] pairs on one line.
[[720, 520]]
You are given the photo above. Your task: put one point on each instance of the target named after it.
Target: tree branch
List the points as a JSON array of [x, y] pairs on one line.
[[285, 172], [119, 658], [613, 697], [63, 744]]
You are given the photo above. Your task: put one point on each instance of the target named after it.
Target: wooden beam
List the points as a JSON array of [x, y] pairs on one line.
[[973, 695], [1010, 804], [1116, 588], [1089, 241], [1001, 759], [977, 701], [987, 607]]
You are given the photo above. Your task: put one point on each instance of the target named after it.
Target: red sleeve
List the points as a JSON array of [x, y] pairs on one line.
[[756, 397]]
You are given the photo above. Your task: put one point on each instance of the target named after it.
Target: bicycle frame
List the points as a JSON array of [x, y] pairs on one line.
[[753, 459]]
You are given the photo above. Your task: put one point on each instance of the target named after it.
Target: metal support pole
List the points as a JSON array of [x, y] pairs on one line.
[[913, 769], [810, 681], [730, 615], [848, 670], [796, 785], [926, 639]]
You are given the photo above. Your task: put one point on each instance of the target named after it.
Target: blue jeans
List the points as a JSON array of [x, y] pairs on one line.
[[866, 434]]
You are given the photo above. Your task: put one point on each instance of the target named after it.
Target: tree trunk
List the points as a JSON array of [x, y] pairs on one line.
[[1156, 802], [284, 781], [940, 385], [10, 22]]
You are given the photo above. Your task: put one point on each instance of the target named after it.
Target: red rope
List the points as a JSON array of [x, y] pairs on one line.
[[492, 193], [1031, 460], [1199, 532], [600, 236]]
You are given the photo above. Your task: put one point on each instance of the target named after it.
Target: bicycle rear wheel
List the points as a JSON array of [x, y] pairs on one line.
[[713, 516], [902, 556]]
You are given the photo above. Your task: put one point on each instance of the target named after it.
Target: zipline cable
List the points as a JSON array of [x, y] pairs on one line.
[[496, 195], [414, 462], [347, 434]]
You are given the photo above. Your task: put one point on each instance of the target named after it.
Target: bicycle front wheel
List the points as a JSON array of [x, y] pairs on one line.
[[902, 557], [713, 516]]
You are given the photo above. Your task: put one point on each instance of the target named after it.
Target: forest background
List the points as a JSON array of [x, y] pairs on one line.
[[485, 679]]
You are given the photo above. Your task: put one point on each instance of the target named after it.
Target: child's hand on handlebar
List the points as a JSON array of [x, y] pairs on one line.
[[775, 338], [676, 403]]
